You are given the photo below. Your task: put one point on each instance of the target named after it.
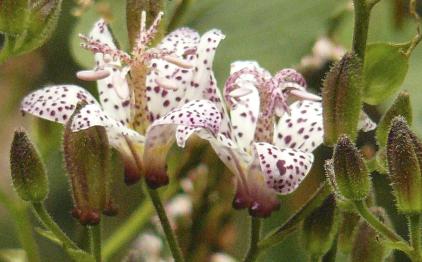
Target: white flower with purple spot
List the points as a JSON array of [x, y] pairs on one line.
[[176, 76], [268, 139]]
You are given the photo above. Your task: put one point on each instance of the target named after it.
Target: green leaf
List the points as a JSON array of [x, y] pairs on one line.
[[384, 71], [79, 255], [41, 23], [13, 15]]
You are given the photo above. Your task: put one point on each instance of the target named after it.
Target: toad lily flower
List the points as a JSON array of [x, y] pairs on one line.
[[129, 99], [268, 157]]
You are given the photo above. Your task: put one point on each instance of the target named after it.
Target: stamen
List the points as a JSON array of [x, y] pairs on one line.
[[98, 47]]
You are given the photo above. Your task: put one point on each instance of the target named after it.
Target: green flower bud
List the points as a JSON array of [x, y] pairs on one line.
[[346, 232], [28, 173], [404, 155], [320, 228], [87, 158], [341, 99], [27, 24], [366, 246], [400, 107], [348, 173]]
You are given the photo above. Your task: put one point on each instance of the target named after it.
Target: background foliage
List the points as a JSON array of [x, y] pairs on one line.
[[276, 33]]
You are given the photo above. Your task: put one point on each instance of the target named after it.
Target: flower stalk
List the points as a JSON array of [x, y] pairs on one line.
[[165, 223], [415, 223], [95, 241], [253, 251], [360, 33]]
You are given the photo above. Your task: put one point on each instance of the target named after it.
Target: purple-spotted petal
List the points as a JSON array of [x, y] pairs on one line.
[[113, 90], [243, 96], [302, 128], [365, 123], [93, 115], [283, 168], [179, 123], [181, 41], [56, 103], [167, 82]]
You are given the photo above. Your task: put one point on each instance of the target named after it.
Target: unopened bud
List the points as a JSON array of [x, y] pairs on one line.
[[346, 231], [28, 173], [367, 246], [400, 107], [87, 157], [349, 174], [404, 155], [320, 228], [341, 99]]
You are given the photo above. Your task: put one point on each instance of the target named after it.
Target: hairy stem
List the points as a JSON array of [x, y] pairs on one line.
[[23, 227], [49, 223], [95, 241], [165, 223], [381, 228], [253, 251], [360, 33], [415, 224]]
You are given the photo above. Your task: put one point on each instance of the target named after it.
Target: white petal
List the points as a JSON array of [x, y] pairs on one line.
[[245, 109], [302, 129], [56, 103], [180, 41], [365, 123], [283, 169], [114, 92], [93, 115]]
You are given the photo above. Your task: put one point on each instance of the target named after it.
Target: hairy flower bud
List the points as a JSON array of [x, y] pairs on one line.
[[404, 155], [320, 228], [87, 158], [400, 107], [346, 231], [366, 245], [341, 99], [348, 174], [28, 173]]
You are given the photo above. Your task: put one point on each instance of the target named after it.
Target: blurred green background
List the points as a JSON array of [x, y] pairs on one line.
[[276, 33]]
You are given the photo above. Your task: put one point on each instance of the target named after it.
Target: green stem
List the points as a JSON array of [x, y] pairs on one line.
[[95, 241], [280, 233], [165, 223], [253, 251], [23, 227], [376, 224], [315, 258], [133, 225], [415, 224], [49, 223], [360, 34]]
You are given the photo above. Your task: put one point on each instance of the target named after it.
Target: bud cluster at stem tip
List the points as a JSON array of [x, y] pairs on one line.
[[404, 156]]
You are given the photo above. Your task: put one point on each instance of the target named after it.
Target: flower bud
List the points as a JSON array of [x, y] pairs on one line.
[[341, 99], [87, 158], [400, 107], [320, 228], [366, 245], [28, 174], [348, 174], [346, 231], [404, 155]]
